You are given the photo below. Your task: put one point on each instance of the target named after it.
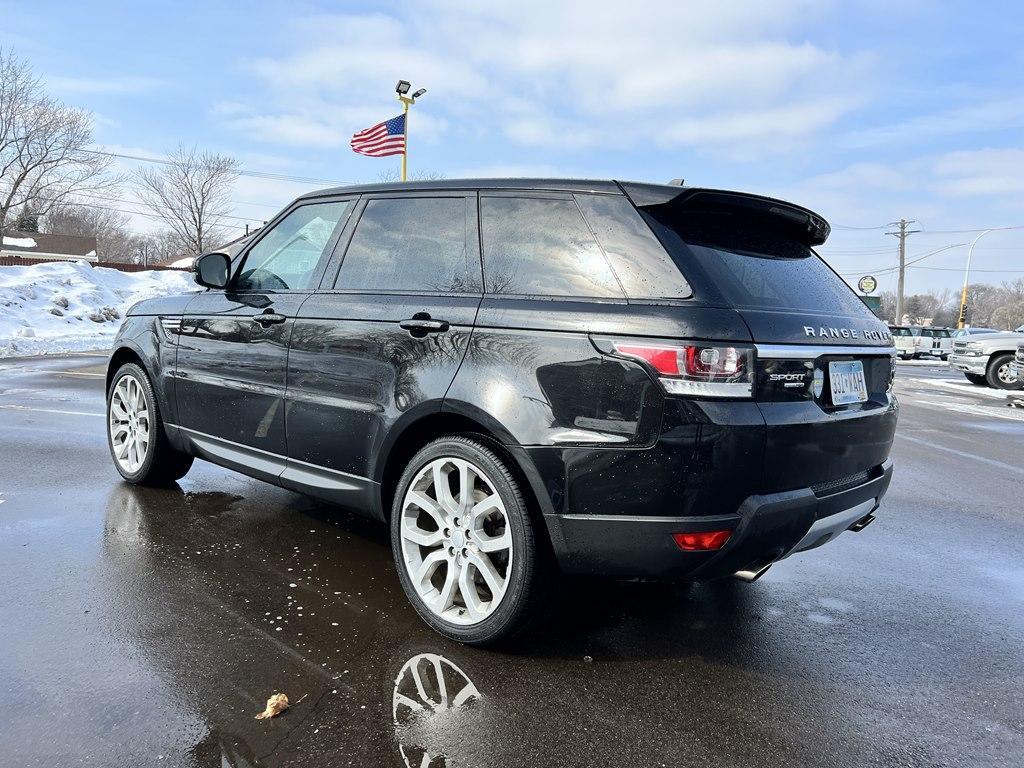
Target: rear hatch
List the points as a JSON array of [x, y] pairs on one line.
[[824, 363]]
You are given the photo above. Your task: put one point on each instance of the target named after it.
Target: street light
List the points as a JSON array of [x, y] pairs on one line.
[[402, 89], [967, 277]]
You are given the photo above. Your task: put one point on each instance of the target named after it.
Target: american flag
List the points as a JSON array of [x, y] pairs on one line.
[[381, 140]]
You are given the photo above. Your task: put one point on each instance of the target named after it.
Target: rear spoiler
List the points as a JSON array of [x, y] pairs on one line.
[[805, 225]]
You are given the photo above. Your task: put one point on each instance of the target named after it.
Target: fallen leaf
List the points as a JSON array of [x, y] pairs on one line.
[[276, 704]]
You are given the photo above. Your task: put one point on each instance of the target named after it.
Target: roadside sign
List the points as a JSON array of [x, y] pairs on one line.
[[874, 303], [867, 284]]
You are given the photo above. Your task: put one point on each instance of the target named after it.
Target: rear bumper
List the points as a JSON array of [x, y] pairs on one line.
[[765, 528], [976, 364]]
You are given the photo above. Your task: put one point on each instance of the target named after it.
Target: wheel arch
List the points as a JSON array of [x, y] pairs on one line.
[[424, 430], [121, 356]]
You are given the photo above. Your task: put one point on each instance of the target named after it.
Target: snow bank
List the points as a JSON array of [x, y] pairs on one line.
[[72, 306]]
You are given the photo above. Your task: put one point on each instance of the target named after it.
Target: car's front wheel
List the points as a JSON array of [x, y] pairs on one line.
[[463, 542], [999, 375], [135, 431]]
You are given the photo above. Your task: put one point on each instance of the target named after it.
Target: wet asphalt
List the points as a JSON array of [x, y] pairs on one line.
[[148, 627]]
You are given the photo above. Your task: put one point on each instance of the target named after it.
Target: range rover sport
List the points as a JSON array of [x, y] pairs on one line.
[[526, 376]]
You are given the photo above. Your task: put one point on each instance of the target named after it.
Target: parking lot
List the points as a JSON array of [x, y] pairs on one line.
[[148, 627]]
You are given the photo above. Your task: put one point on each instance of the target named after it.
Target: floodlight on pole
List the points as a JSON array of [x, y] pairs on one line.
[[402, 89]]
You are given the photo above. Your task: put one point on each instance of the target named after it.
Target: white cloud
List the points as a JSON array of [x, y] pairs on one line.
[[562, 75]]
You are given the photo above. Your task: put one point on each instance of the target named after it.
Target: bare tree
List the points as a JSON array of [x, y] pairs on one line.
[[45, 154], [190, 194]]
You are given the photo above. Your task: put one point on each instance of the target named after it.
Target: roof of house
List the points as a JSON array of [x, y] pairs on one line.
[[40, 244]]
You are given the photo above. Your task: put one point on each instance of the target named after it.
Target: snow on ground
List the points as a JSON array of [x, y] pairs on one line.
[[72, 306]]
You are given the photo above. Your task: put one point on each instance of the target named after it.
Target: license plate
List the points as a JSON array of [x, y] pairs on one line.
[[848, 384]]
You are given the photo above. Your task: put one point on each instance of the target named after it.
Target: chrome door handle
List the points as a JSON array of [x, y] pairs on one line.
[[269, 318], [421, 326]]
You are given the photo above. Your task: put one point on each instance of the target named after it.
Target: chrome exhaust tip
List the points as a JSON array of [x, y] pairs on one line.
[[863, 523], [752, 574]]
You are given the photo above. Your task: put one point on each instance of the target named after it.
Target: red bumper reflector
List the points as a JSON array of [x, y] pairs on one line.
[[703, 540]]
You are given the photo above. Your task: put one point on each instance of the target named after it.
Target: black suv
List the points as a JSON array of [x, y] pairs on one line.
[[522, 376]]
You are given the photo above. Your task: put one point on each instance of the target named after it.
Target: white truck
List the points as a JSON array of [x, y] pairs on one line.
[[987, 359]]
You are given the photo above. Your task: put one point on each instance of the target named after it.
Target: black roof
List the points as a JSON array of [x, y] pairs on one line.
[[549, 185], [809, 226]]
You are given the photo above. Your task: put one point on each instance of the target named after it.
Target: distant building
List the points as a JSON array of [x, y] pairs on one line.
[[231, 248], [34, 247]]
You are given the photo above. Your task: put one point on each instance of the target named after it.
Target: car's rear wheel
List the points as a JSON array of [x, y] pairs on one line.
[[464, 544], [135, 431], [976, 378], [998, 374]]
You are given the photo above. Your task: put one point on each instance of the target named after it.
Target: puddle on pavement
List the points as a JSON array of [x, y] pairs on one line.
[[231, 598]]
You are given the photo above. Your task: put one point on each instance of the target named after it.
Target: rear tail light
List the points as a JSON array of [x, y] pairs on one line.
[[704, 370], [701, 541]]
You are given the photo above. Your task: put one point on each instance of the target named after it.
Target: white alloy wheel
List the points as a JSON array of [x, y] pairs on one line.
[[128, 418], [456, 541]]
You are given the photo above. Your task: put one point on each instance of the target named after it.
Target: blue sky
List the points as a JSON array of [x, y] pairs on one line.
[[865, 111]]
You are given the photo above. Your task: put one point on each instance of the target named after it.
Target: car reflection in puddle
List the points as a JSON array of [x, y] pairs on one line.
[[431, 702]]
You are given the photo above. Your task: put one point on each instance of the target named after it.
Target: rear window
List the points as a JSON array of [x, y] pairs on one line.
[[935, 333], [639, 261], [901, 332], [538, 246], [753, 264]]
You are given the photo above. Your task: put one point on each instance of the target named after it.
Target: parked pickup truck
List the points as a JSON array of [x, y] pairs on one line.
[[986, 359], [912, 341], [1017, 366]]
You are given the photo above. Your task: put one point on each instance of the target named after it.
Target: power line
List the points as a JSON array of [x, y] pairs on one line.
[[848, 226], [253, 174], [970, 231], [914, 259], [958, 269]]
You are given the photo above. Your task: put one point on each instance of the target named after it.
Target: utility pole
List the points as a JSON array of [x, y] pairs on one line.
[[902, 234]]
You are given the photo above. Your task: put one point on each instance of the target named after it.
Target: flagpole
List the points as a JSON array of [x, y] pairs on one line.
[[402, 89], [405, 154]]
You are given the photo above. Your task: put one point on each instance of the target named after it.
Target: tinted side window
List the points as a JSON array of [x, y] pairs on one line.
[[286, 257], [542, 247], [643, 267], [411, 244]]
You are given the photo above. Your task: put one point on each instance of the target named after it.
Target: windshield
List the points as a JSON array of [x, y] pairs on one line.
[[753, 264], [935, 333]]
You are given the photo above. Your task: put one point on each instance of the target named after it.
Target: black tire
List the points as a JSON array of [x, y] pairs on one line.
[[976, 378], [521, 601], [997, 373], [163, 463]]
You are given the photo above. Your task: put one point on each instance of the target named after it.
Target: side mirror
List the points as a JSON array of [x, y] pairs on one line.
[[212, 269]]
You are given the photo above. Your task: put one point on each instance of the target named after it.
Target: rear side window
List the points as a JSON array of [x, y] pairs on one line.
[[411, 244], [535, 246], [752, 263], [287, 256], [641, 264]]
